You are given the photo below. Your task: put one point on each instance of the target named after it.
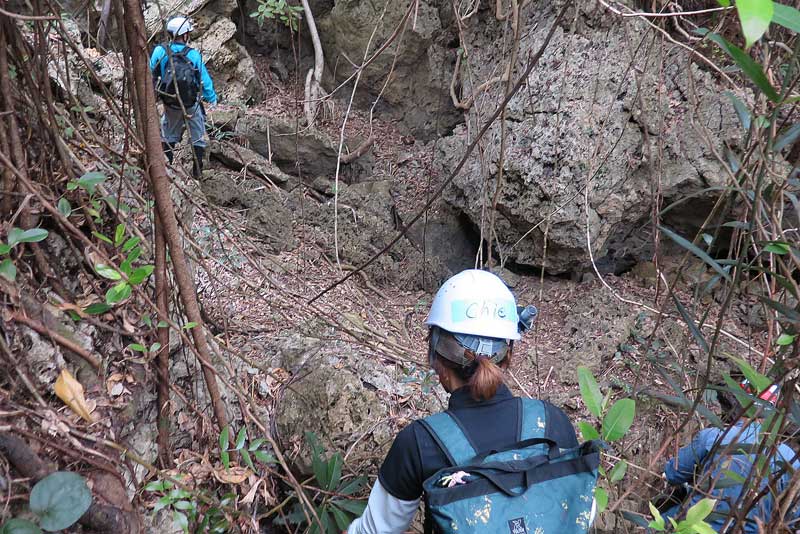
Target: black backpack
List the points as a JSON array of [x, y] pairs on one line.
[[180, 79]]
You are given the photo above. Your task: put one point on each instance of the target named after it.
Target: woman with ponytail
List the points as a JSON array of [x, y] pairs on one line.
[[473, 323]]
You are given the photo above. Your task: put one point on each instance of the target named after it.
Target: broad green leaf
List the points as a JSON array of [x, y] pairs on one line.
[[658, 522], [240, 437], [59, 500], [703, 528], [184, 505], [156, 485], [4, 249], [155, 346], [140, 274], [618, 472], [743, 398], [778, 247], [693, 328], [785, 339], [130, 243], [102, 237], [119, 235], [755, 16], [353, 486], [588, 431], [590, 391], [162, 324], [64, 207], [19, 526], [181, 521], [118, 293], [751, 69], [223, 438], [341, 518], [786, 16], [618, 419], [137, 347], [694, 249], [225, 458], [700, 511], [255, 444], [97, 308], [741, 110], [787, 138], [724, 3], [264, 458], [8, 270], [107, 272], [90, 180], [247, 460], [759, 381], [790, 313], [601, 498], [354, 507], [334, 471], [34, 235], [189, 325]]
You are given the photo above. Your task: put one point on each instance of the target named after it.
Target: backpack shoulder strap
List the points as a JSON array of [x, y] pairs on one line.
[[449, 435], [534, 419], [185, 50]]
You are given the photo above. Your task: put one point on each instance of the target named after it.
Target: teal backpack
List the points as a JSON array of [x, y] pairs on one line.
[[530, 487]]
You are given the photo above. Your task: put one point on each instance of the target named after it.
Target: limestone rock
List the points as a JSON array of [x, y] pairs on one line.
[[237, 157]]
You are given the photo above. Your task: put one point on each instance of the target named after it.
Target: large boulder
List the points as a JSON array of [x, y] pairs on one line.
[[412, 76], [583, 122]]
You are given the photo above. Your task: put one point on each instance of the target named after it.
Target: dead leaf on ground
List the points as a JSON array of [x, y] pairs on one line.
[[70, 391], [232, 475]]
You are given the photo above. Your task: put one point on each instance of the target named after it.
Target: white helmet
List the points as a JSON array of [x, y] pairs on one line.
[[179, 25], [477, 303]]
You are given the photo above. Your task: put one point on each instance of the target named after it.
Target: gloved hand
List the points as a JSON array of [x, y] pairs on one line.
[[526, 316]]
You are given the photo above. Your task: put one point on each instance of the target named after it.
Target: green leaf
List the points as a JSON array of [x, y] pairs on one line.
[[755, 16], [181, 521], [618, 419], [102, 238], [777, 247], [107, 272], [786, 16], [601, 497], [590, 391], [90, 180], [4, 249], [64, 207], [264, 458], [225, 458], [140, 275], [353, 486], [588, 431], [759, 381], [119, 235], [189, 325], [130, 243], [724, 3], [156, 485], [256, 443], [334, 471], [341, 518], [19, 526], [354, 507], [618, 472], [34, 235], [247, 459], [703, 528], [694, 249], [97, 308], [741, 110], [155, 346], [787, 138], [223, 438], [746, 63], [658, 521], [785, 339], [699, 511], [59, 500], [118, 293], [240, 437], [790, 313], [693, 328], [162, 324], [184, 505], [137, 347], [8, 270]]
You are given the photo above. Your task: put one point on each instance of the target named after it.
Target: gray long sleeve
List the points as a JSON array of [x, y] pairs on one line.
[[384, 514]]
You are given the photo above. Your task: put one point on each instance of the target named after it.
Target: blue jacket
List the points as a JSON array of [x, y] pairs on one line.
[[158, 58], [726, 465]]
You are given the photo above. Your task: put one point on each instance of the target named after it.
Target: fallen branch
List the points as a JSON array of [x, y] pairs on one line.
[[362, 149], [58, 338]]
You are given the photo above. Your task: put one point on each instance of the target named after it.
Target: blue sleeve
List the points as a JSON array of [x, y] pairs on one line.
[[209, 95], [155, 59], [689, 457]]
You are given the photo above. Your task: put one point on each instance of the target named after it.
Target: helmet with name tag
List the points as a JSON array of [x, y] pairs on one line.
[[177, 26], [476, 303]]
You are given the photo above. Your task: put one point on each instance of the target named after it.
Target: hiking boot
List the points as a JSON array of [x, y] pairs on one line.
[[169, 150], [197, 165]]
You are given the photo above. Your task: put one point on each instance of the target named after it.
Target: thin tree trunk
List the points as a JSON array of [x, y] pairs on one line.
[[162, 301], [8, 123], [102, 30], [157, 172], [313, 91]]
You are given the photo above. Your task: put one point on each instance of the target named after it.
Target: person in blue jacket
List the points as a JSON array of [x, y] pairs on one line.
[[721, 460], [174, 121]]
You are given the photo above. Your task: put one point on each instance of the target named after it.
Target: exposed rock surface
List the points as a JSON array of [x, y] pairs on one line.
[[582, 112]]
